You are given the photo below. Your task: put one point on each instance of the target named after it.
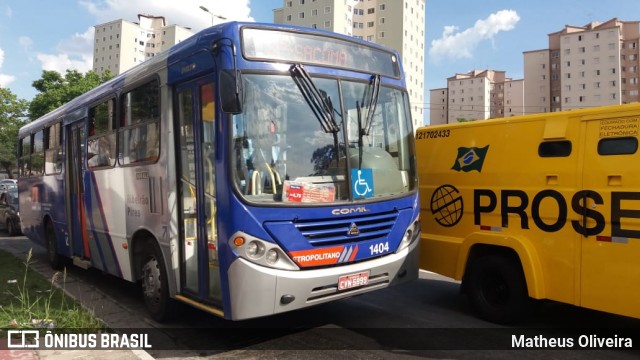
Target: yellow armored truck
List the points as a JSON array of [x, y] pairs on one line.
[[543, 206]]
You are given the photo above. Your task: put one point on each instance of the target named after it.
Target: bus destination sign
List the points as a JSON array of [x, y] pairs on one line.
[[277, 45]]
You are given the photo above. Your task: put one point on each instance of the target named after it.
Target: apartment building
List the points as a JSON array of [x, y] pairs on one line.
[[537, 91], [592, 65], [476, 95], [514, 100], [584, 66], [439, 105], [397, 24], [120, 44]]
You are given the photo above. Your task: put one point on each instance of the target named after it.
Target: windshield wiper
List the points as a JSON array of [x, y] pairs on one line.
[[318, 101], [373, 91]]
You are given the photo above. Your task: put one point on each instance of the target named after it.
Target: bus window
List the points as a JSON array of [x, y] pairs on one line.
[[53, 149], [139, 136], [37, 157], [277, 139], [385, 140], [208, 133], [102, 138], [24, 163]]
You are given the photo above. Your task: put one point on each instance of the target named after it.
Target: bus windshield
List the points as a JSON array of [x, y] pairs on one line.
[[285, 151]]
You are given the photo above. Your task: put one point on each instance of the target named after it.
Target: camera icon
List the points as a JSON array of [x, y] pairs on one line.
[[23, 339]]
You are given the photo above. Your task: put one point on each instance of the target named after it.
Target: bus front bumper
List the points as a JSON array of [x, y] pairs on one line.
[[258, 291]]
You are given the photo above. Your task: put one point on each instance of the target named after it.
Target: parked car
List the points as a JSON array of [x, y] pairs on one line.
[[6, 184], [9, 212]]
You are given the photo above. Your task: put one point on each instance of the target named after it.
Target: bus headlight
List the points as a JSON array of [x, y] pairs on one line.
[[272, 256], [410, 235], [261, 252], [254, 249]]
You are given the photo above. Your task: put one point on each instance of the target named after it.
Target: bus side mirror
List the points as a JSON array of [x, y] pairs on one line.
[[230, 92]]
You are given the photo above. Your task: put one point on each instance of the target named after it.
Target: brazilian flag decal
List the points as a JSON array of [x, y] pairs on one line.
[[470, 159]]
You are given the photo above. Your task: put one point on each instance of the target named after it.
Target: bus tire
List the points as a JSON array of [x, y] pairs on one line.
[[155, 288], [11, 228], [497, 289], [55, 260]]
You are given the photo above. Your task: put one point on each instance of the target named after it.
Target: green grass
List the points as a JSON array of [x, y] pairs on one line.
[[30, 300]]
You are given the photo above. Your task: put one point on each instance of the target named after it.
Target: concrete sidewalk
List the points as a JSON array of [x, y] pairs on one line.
[[74, 354], [104, 307]]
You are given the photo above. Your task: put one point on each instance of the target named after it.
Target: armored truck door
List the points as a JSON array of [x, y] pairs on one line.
[[610, 211]]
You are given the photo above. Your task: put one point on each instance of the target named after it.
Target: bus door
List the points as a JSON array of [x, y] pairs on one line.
[[200, 272], [610, 249], [77, 233]]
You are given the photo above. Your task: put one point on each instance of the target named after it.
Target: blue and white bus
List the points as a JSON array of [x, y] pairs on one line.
[[250, 170]]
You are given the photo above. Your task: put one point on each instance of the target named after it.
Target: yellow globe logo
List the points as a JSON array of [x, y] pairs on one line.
[[446, 205]]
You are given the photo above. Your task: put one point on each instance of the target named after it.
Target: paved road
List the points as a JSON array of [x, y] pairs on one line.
[[426, 319]]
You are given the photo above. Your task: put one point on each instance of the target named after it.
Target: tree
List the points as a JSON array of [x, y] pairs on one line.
[[56, 90], [13, 114]]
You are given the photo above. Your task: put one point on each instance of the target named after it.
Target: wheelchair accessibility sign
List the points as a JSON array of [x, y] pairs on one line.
[[362, 183]]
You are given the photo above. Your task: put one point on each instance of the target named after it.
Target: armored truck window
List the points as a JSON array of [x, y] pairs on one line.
[[555, 148], [618, 146]]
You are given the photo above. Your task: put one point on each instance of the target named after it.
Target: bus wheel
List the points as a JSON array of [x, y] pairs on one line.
[[11, 229], [55, 260], [497, 289], [155, 288]]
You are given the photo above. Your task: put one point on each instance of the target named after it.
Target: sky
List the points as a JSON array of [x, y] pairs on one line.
[[461, 35]]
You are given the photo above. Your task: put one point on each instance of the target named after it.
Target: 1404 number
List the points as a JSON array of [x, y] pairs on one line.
[[379, 248]]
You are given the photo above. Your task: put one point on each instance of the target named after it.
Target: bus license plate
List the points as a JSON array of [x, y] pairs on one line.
[[353, 280]]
